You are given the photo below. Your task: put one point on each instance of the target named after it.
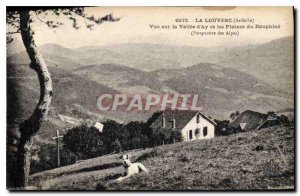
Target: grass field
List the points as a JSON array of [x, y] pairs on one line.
[[261, 159]]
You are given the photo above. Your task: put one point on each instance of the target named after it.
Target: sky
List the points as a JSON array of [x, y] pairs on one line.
[[134, 27]]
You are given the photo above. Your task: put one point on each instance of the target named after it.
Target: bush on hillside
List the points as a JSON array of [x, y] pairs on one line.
[[46, 158], [85, 141], [88, 142], [223, 128]]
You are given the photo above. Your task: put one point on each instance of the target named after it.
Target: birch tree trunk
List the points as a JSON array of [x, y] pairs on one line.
[[20, 136]]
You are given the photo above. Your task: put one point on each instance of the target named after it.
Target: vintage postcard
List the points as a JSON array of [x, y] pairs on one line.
[[150, 98]]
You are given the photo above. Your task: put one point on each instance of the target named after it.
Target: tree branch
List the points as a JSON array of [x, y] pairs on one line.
[[37, 16], [106, 18], [13, 32]]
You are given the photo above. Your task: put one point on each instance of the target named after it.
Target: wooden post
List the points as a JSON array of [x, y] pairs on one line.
[[57, 142]]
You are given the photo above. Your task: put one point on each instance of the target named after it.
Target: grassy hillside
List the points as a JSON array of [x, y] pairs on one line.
[[261, 159]]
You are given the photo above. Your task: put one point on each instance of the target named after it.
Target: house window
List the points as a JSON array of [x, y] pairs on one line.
[[205, 131], [197, 133], [198, 118], [191, 134]]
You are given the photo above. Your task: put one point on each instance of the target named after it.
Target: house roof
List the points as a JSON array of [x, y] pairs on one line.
[[271, 120], [182, 118], [249, 120], [167, 132]]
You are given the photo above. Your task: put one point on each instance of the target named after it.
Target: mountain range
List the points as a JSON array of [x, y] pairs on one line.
[[274, 58], [257, 77]]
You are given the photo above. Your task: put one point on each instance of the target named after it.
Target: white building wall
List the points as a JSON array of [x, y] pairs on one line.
[[193, 125]]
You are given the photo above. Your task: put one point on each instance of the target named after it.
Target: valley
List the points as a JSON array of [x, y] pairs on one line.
[[226, 80]]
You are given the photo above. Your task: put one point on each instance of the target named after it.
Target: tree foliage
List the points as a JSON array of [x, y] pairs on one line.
[[222, 127], [54, 17], [47, 158], [114, 138], [234, 115], [153, 117], [86, 142]]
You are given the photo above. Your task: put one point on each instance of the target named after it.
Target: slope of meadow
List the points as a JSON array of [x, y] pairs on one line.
[[261, 159]]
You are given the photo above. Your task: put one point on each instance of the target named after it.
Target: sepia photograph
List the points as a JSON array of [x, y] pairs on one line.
[[150, 98]]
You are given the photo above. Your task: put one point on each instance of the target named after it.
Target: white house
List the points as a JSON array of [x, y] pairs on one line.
[[193, 125], [199, 127]]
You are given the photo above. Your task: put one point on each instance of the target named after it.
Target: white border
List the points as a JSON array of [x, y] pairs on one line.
[[152, 3]]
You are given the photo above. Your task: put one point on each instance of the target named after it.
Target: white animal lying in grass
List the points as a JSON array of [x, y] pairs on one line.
[[131, 168]]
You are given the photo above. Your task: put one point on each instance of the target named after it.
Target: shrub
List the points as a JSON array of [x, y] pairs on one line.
[[86, 142], [46, 158]]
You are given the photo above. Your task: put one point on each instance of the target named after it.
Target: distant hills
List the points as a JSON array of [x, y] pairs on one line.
[[272, 62], [268, 62], [256, 77], [55, 56], [221, 88]]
